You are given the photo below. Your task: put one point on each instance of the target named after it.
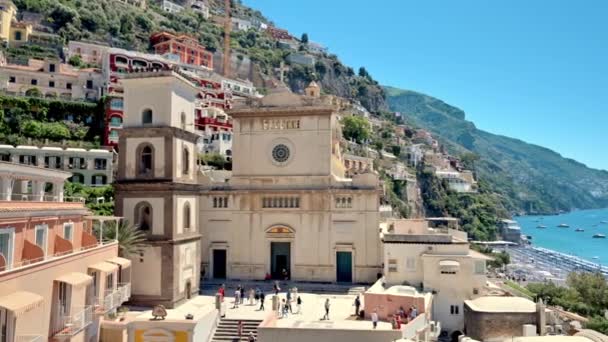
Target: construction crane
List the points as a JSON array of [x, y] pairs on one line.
[[227, 29]]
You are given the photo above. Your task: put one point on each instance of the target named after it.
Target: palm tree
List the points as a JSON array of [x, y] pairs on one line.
[[130, 238]]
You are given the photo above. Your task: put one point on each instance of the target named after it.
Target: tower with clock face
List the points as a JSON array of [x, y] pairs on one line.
[[288, 209]]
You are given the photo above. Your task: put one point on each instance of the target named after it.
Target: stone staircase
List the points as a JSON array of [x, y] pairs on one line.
[[210, 287], [227, 330]]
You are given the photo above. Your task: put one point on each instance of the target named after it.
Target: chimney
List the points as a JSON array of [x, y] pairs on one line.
[[542, 317]]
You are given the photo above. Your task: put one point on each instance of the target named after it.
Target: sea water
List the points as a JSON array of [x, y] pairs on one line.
[[567, 240]]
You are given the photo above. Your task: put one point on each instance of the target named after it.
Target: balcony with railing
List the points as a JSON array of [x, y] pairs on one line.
[[30, 197], [30, 338], [112, 299], [70, 325]]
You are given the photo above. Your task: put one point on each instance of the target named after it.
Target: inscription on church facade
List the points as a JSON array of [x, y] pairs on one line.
[[280, 124]]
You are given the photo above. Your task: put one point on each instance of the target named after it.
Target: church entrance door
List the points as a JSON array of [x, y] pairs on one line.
[[280, 259], [344, 267], [219, 263]]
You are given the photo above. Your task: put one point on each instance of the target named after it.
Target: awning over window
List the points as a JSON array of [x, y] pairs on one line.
[[75, 279], [105, 267], [120, 261], [449, 263], [21, 302]]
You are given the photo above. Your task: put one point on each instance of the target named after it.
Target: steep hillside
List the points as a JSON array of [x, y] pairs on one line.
[[129, 27], [531, 178]]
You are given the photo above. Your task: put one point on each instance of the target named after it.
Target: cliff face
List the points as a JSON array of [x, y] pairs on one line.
[[337, 79], [531, 178]]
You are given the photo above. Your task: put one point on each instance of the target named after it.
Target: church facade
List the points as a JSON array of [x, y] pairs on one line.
[[287, 209]]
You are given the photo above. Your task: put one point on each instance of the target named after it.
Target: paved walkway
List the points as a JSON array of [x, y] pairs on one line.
[[341, 311]]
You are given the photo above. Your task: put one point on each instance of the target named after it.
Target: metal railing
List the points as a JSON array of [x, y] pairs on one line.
[[112, 299], [73, 324], [29, 338], [48, 258], [29, 197], [125, 291]]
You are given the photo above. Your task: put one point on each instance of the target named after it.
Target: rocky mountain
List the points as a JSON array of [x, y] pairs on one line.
[[530, 178]]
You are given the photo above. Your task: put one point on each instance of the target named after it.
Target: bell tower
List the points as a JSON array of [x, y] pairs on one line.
[[156, 185]]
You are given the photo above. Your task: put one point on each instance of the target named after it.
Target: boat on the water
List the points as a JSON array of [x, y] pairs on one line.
[[596, 257], [603, 222], [540, 226], [599, 236], [579, 230], [563, 225]]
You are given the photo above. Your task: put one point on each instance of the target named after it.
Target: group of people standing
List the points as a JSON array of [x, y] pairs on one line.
[[403, 317], [291, 296], [254, 296]]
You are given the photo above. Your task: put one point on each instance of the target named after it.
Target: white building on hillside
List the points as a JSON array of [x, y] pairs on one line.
[[436, 260], [90, 167], [171, 7]]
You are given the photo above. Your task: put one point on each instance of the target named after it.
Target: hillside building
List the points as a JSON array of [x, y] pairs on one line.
[[201, 7], [434, 260], [354, 165], [278, 33], [170, 7], [143, 4], [239, 24], [53, 79], [509, 230], [57, 279], [189, 50], [215, 128], [89, 167], [90, 53]]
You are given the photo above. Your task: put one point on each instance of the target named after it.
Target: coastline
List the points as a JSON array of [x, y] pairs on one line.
[[538, 264]]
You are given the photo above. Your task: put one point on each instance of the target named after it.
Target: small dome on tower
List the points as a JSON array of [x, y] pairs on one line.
[[313, 90]]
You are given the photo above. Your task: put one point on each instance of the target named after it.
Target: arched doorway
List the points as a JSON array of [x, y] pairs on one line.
[[280, 238]]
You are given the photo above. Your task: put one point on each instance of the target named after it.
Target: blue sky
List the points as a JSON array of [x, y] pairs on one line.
[[533, 70]]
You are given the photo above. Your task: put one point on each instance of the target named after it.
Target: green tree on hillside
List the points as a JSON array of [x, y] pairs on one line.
[[304, 38], [356, 128]]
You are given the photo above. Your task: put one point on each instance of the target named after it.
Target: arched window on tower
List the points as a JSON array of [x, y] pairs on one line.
[[143, 216], [146, 117], [146, 160], [185, 161], [187, 225]]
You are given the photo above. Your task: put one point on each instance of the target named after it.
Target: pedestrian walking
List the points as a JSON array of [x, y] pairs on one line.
[[357, 305], [262, 297], [251, 296], [241, 294], [237, 298], [240, 329], [251, 337], [257, 294], [299, 305], [284, 309], [288, 295], [276, 288], [222, 292], [375, 318], [326, 317]]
